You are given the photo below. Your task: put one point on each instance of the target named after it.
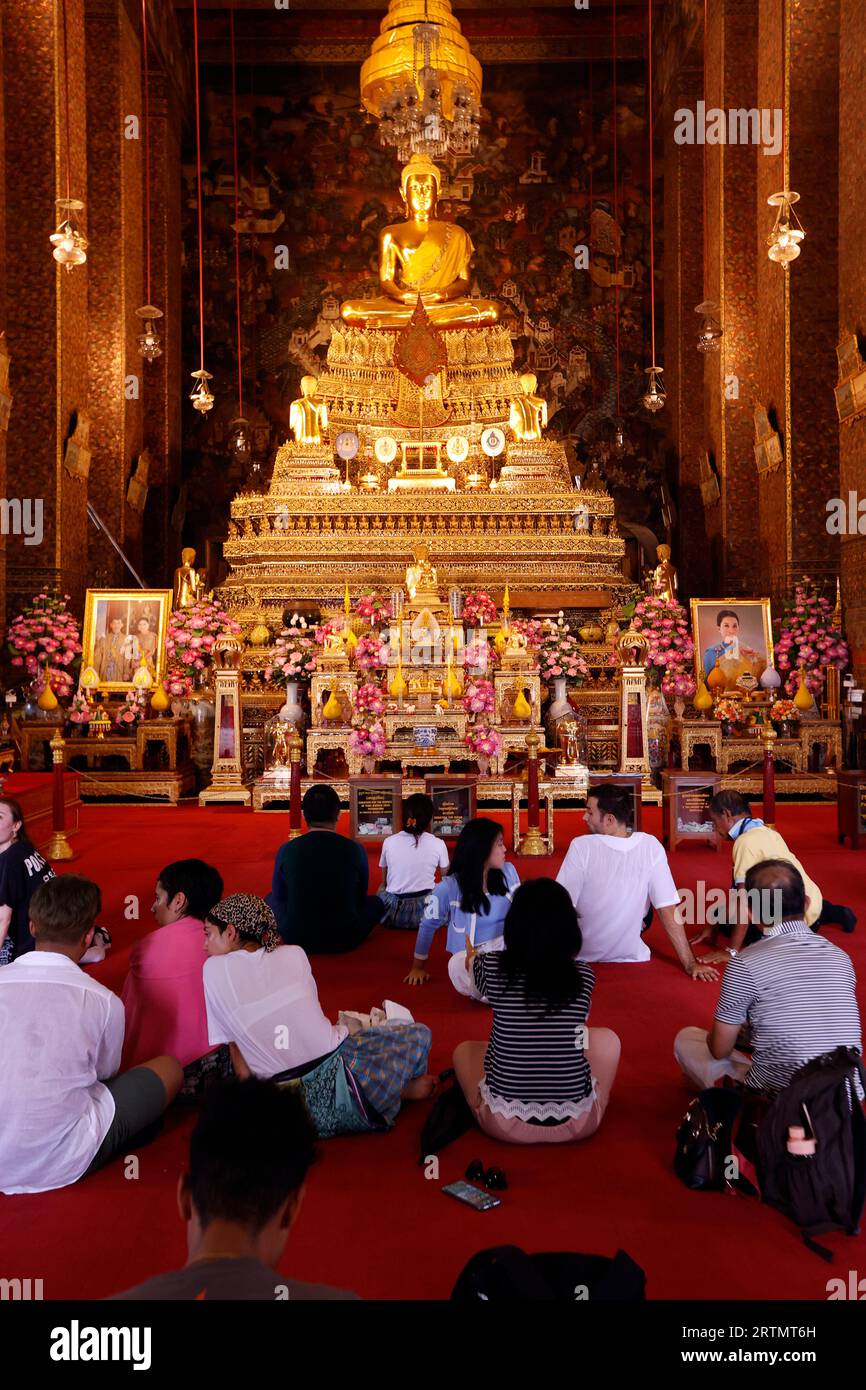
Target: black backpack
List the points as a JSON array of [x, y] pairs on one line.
[[506, 1273], [823, 1191]]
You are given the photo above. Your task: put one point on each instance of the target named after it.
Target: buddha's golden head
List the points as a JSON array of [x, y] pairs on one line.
[[187, 555], [420, 183], [529, 381], [308, 385], [663, 552]]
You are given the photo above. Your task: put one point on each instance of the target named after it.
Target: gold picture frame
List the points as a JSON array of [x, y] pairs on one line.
[[116, 661], [747, 640]]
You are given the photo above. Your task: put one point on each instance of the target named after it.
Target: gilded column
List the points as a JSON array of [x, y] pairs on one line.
[[730, 373], [115, 142], [852, 298], [47, 324]]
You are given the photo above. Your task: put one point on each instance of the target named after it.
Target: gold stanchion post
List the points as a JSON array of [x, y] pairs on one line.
[[532, 842], [58, 846]]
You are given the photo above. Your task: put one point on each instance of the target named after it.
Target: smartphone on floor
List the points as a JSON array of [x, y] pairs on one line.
[[472, 1196]]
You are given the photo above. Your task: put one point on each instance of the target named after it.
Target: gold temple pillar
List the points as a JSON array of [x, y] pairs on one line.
[[47, 313], [118, 373]]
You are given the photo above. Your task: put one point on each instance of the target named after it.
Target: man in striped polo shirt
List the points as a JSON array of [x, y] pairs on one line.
[[793, 988]]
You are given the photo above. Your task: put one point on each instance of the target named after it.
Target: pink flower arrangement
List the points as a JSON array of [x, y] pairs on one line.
[[178, 682], [192, 632], [483, 739], [531, 629], [559, 654], [808, 638], [478, 609], [368, 740], [370, 652], [679, 684], [46, 632], [373, 608], [478, 654], [294, 652], [784, 709], [479, 698], [369, 700], [80, 711], [669, 642], [132, 709], [326, 629]]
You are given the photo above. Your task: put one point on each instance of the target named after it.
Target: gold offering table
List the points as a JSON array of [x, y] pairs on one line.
[[790, 755], [170, 776]]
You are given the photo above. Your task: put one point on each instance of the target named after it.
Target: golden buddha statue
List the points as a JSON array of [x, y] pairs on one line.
[[421, 580], [422, 256], [664, 576], [188, 581], [308, 416], [528, 414]]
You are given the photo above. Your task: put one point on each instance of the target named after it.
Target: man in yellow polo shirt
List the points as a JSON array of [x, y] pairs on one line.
[[754, 842]]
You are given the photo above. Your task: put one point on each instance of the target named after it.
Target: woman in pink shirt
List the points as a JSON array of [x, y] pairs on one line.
[[163, 994]]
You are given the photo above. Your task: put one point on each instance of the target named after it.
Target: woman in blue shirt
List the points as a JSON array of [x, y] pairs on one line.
[[473, 900]]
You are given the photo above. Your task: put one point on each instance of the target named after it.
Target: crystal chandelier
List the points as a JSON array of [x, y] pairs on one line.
[[201, 397], [421, 82], [783, 243], [710, 333], [70, 245], [149, 341], [655, 395]]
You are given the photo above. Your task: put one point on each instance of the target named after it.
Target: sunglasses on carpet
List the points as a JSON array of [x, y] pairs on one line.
[[494, 1179]]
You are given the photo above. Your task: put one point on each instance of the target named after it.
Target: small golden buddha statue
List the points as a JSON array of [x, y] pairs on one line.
[[308, 416], [664, 576], [421, 580], [528, 414], [422, 256], [280, 755], [188, 581]]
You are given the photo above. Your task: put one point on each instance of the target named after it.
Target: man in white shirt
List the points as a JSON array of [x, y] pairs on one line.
[[614, 875], [61, 1036]]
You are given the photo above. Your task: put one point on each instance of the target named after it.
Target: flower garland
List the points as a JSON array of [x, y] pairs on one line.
[[808, 638], [132, 710], [373, 608], [46, 632], [479, 697], [559, 653], [192, 632], [478, 609], [665, 626], [483, 739], [368, 740], [369, 700], [531, 629]]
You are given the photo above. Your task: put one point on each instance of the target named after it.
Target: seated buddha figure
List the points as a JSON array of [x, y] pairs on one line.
[[422, 256]]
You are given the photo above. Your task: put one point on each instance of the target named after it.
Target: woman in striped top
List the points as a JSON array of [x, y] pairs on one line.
[[544, 1077]]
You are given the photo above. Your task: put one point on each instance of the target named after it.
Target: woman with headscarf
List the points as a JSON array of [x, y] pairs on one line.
[[262, 1000]]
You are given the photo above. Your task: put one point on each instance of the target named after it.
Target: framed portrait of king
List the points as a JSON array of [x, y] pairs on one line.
[[122, 629], [733, 635]]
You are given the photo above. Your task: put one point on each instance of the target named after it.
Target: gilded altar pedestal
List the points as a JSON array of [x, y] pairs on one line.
[[420, 471]]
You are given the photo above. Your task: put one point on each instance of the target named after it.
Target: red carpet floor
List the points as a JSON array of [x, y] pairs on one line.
[[370, 1220]]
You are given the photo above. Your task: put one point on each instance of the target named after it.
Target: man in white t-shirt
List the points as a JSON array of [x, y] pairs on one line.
[[65, 1110], [614, 875]]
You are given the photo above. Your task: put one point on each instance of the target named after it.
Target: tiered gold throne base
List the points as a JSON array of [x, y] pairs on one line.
[[487, 521]]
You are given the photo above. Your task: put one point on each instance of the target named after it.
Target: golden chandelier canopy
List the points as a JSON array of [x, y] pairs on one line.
[[421, 81]]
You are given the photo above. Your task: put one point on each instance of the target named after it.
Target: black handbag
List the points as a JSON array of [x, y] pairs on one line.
[[704, 1139]]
